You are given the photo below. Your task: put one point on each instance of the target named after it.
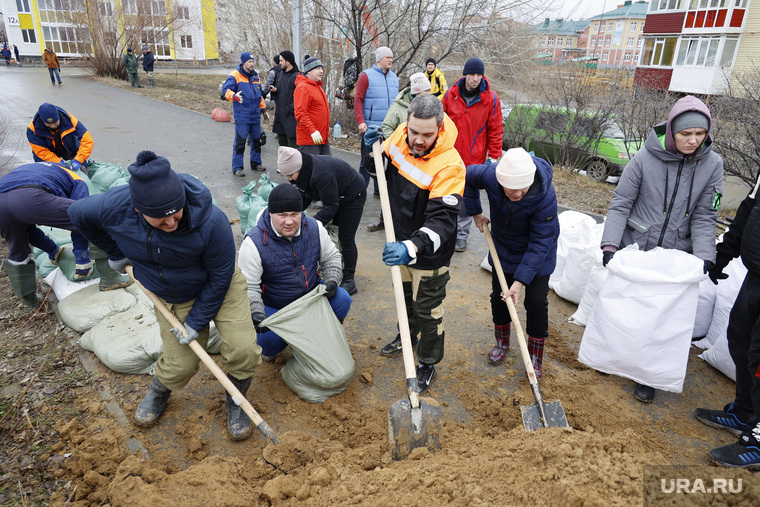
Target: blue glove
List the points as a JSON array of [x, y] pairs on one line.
[[192, 334], [373, 133], [396, 254], [76, 165], [119, 265]]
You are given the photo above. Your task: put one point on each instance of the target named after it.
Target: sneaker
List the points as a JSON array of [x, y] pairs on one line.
[[349, 286], [239, 172], [376, 193], [258, 167], [377, 226], [425, 375], [743, 454], [460, 245], [644, 394], [726, 419], [393, 349]]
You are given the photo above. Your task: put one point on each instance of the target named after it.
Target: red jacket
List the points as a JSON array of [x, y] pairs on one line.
[[311, 110], [481, 129]]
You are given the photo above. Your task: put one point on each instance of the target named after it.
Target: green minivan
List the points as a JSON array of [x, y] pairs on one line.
[[570, 138]]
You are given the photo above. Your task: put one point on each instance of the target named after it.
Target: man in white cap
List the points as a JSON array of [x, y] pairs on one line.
[[375, 91], [525, 232]]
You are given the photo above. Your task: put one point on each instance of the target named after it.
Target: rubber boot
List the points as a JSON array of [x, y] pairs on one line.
[[151, 84], [499, 351], [24, 282], [238, 423], [152, 405], [110, 279], [536, 351]]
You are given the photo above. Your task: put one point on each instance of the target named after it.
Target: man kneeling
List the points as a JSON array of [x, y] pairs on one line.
[[279, 258]]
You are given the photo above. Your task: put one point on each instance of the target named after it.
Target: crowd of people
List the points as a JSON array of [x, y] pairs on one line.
[[441, 146]]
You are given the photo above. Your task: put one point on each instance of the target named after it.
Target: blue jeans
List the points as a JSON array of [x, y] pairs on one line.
[[271, 344], [54, 75]]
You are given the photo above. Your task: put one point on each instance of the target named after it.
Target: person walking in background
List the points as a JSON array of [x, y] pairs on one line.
[[525, 232], [312, 110], [669, 194], [272, 75], [15, 51], [147, 63], [282, 92], [7, 54], [243, 89], [476, 111], [55, 135], [51, 60], [437, 79], [376, 89], [130, 64]]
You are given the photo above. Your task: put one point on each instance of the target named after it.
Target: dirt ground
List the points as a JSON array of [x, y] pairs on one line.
[[66, 436]]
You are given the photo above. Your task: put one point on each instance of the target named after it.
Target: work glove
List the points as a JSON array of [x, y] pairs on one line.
[[266, 115], [192, 334], [373, 133], [716, 270], [396, 254], [332, 289], [76, 165], [491, 161], [84, 266], [607, 257], [257, 317], [119, 265], [238, 97], [316, 137]]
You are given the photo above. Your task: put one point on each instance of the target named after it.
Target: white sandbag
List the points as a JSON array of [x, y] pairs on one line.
[[126, 342], [725, 295], [719, 358], [641, 324], [572, 224], [63, 287], [581, 256], [596, 278], [322, 365], [705, 306], [485, 264], [83, 309]]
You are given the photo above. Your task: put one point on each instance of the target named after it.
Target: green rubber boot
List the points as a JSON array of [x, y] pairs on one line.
[[24, 282], [109, 279]]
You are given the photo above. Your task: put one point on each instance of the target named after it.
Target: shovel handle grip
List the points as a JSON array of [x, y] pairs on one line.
[[237, 396], [398, 284]]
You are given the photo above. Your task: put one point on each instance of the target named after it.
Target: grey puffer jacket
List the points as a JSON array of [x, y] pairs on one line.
[[665, 198]]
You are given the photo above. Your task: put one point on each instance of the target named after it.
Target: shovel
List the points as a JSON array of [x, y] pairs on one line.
[[237, 396], [539, 415], [413, 422]]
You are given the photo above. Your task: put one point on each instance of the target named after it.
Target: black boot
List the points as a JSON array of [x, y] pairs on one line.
[[238, 423], [152, 405]]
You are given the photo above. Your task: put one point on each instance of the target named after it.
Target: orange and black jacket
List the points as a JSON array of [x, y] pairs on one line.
[[253, 105], [425, 194], [70, 140]]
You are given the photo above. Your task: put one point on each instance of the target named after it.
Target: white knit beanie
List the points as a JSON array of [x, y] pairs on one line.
[[516, 169]]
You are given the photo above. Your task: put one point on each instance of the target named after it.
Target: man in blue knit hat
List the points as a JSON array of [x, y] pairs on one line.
[[182, 249]]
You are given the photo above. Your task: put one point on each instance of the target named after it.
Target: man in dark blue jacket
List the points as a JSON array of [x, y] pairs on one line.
[[148, 59], [523, 208], [182, 249]]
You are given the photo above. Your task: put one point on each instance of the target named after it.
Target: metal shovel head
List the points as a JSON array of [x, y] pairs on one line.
[[410, 428], [555, 416]]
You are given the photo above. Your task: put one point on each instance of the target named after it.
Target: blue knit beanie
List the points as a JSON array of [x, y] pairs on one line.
[[244, 57], [48, 113], [474, 66], [156, 190]]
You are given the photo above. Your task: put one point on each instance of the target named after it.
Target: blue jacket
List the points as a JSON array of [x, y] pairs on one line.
[[148, 60], [289, 265], [381, 92], [54, 178], [253, 97], [525, 232], [196, 261]]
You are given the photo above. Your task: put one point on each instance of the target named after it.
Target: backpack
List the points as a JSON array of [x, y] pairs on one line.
[[221, 91], [350, 73]]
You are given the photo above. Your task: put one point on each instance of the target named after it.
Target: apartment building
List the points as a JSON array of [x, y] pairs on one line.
[[558, 39], [615, 37]]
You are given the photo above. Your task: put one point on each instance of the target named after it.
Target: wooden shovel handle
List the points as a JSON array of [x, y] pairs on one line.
[[398, 284], [237, 396]]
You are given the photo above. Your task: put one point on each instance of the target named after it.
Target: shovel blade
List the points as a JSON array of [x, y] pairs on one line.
[[555, 416], [410, 428]]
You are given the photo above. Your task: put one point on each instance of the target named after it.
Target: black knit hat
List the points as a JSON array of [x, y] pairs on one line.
[[289, 56], [276, 59], [284, 198], [430, 60], [156, 190]]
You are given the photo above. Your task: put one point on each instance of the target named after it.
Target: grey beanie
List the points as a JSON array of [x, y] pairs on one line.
[[689, 120], [311, 63]]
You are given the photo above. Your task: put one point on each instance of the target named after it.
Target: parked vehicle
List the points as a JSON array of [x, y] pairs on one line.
[[577, 138]]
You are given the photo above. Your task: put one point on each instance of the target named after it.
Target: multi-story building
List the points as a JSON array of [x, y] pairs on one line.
[[558, 39], [182, 30], [616, 37], [693, 46]]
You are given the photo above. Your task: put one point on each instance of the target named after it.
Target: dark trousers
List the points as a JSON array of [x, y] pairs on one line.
[[284, 140], [424, 292], [347, 219], [365, 150], [536, 304], [242, 132], [315, 149], [744, 346], [21, 209]]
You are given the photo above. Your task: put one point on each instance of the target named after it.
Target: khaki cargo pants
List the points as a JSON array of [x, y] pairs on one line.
[[241, 355], [424, 292]]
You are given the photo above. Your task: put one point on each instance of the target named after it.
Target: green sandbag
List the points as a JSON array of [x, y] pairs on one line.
[[243, 203], [322, 365], [265, 187], [257, 204], [104, 175], [61, 237]]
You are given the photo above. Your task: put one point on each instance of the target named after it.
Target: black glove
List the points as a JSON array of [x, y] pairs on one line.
[[708, 266], [257, 317], [716, 270], [607, 257], [332, 289]]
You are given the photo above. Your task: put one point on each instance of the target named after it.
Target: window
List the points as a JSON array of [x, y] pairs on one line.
[[698, 52], [658, 51], [727, 57], [569, 42], [639, 42], [129, 7], [629, 42], [551, 121], [627, 57], [633, 26], [593, 41], [183, 12], [560, 41], [610, 26], [584, 127], [186, 41], [550, 42], [105, 9], [605, 56], [607, 41], [602, 27], [28, 35], [22, 6]]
